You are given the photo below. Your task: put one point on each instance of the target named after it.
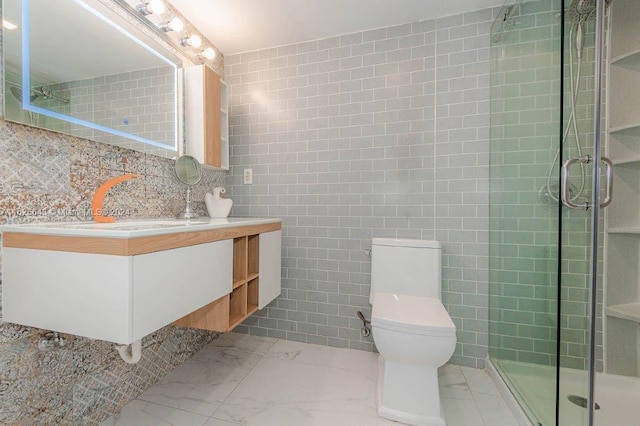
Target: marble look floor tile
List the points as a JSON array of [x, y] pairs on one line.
[[217, 422], [245, 342], [461, 412], [452, 378], [455, 393], [479, 381], [336, 413], [453, 383], [365, 363], [494, 410], [141, 413], [278, 391], [449, 369], [257, 381], [201, 383]]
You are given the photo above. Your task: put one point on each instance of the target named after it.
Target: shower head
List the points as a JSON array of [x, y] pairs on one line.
[[16, 91], [582, 10]]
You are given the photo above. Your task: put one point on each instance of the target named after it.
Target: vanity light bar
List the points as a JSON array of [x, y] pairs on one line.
[[175, 24]]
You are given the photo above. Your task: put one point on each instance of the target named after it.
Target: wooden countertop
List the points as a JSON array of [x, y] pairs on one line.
[[127, 239]]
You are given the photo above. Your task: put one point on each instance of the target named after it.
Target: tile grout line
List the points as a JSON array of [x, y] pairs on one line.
[[474, 393], [245, 376], [473, 396], [211, 416]]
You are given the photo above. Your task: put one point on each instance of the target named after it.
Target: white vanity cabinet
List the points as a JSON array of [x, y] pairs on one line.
[[270, 259], [115, 298], [110, 287]]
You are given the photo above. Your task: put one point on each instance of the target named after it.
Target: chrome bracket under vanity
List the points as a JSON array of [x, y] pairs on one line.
[[121, 281]]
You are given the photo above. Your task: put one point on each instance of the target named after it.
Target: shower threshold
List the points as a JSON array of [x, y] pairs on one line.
[[618, 396]]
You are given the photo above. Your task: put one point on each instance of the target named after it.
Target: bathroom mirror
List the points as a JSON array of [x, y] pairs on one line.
[[189, 172], [85, 68]]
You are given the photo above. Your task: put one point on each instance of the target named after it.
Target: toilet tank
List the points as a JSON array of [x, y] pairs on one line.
[[405, 266]]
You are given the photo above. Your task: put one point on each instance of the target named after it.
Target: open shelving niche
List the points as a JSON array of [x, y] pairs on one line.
[[243, 300], [232, 309], [622, 218]]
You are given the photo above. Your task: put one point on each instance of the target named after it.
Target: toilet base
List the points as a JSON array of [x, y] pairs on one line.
[[409, 394]]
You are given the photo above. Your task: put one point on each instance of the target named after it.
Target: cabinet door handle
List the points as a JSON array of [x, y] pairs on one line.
[[564, 183], [608, 195]]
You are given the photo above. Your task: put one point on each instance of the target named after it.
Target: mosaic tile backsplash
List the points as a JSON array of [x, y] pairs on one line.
[[47, 176], [51, 177]]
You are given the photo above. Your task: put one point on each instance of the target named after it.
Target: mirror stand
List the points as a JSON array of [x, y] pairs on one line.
[[188, 212], [189, 172]]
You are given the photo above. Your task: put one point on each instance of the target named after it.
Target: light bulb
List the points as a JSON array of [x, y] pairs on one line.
[[156, 6], [8, 25], [153, 6], [209, 53], [175, 24], [193, 41]]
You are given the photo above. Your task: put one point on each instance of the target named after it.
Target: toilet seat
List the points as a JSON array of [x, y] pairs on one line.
[[412, 314]]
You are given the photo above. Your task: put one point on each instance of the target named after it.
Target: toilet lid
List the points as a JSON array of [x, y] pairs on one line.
[[411, 314]]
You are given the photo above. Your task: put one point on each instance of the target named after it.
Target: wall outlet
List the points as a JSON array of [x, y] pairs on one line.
[[248, 176]]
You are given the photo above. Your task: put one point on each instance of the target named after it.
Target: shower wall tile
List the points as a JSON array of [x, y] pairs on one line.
[[382, 133], [462, 176], [525, 242]]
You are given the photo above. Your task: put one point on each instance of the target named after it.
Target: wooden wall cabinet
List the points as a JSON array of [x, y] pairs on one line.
[[206, 117], [255, 283]]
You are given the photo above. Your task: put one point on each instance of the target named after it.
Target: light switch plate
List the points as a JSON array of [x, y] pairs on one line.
[[248, 176]]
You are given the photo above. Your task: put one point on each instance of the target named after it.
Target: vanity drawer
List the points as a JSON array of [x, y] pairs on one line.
[[114, 298], [77, 293], [172, 283]]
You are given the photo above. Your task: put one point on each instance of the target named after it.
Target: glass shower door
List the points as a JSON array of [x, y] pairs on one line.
[[524, 244], [543, 260]]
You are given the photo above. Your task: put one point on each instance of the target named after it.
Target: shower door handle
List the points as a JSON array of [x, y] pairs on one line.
[[564, 183], [608, 194], [565, 194]]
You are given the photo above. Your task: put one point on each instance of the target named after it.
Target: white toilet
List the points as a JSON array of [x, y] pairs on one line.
[[411, 329]]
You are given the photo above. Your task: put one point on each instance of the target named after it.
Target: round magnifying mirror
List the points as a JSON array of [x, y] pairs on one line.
[[188, 170]]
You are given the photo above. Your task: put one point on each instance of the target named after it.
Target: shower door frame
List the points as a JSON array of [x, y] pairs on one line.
[[597, 154]]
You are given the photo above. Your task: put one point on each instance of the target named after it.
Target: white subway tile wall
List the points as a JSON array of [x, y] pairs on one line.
[[383, 133]]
